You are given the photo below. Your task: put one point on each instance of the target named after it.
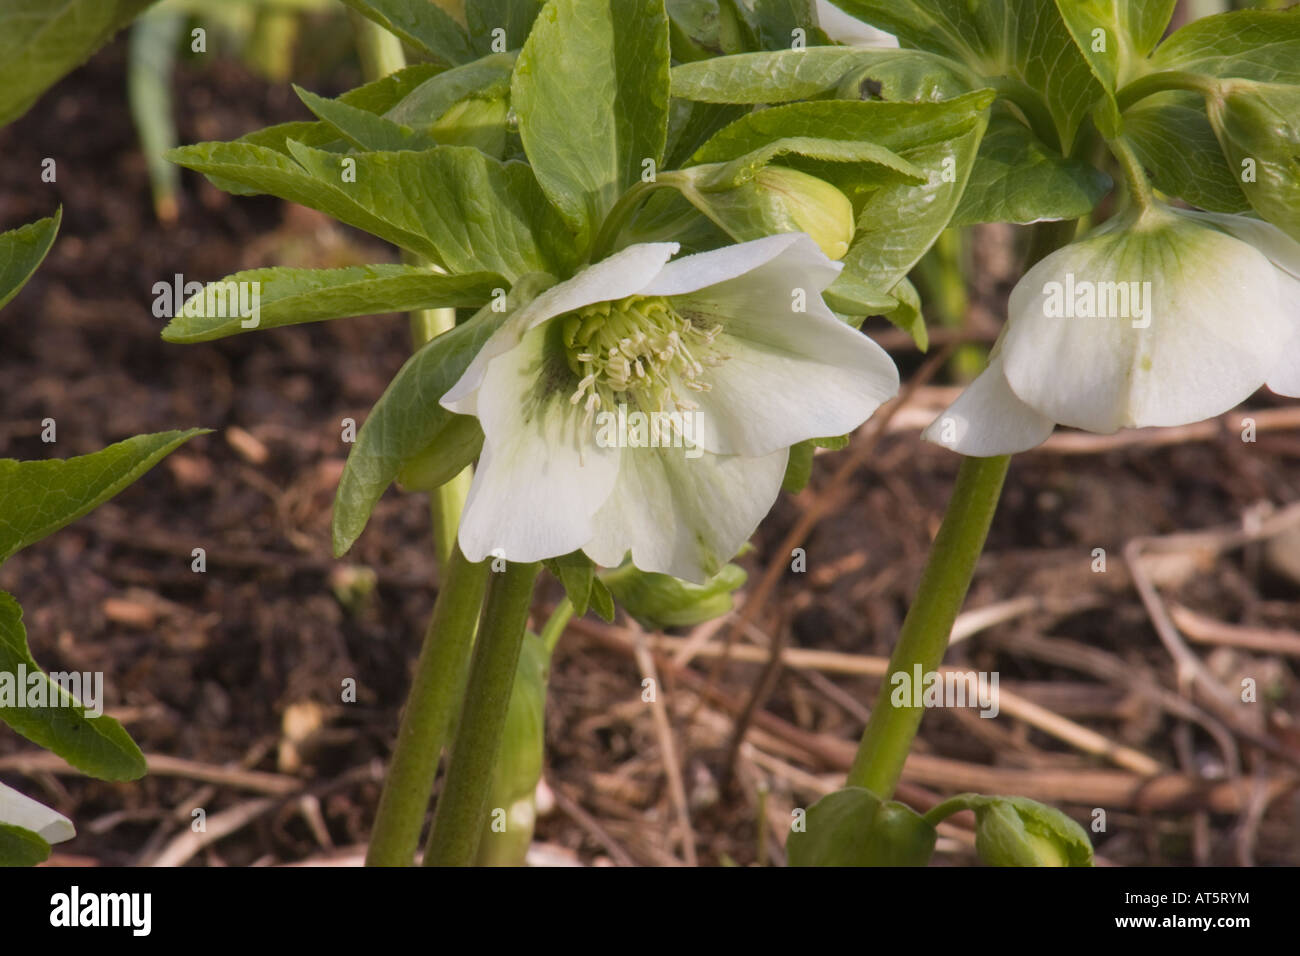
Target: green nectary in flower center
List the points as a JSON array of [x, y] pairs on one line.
[[638, 350]]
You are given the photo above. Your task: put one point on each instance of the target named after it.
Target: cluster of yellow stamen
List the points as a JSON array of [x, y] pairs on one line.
[[640, 351]]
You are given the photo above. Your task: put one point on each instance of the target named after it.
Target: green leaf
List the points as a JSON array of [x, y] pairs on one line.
[[777, 20], [1114, 37], [407, 419], [1023, 43], [576, 572], [295, 296], [850, 294], [742, 169], [456, 446], [363, 129], [488, 78], [591, 92], [38, 498], [798, 467], [787, 75], [465, 211], [853, 827], [1262, 45], [515, 17], [898, 223], [42, 40], [1018, 178], [1258, 126], [1175, 142], [22, 250], [602, 602], [895, 126], [907, 315], [97, 746], [19, 847], [420, 23]]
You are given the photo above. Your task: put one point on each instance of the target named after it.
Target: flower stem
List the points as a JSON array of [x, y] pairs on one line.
[[1162, 82], [1139, 187], [924, 636], [618, 216], [432, 703], [458, 820]]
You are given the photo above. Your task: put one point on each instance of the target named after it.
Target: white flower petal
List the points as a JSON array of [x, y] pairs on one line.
[[20, 810], [1214, 329], [843, 28], [988, 419], [684, 516], [623, 274], [791, 256], [540, 478], [789, 377], [1276, 245], [1285, 379]]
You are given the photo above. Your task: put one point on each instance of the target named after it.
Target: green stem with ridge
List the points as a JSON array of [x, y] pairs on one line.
[[430, 708], [462, 806], [923, 639]]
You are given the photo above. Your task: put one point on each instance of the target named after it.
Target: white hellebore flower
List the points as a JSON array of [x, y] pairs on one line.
[[20, 810], [1163, 317], [736, 343]]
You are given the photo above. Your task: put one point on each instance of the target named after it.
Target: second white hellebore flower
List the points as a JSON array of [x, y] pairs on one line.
[[1163, 317], [649, 406]]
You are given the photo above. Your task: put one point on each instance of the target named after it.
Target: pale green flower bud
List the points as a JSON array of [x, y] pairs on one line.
[[1258, 126], [660, 601], [774, 199]]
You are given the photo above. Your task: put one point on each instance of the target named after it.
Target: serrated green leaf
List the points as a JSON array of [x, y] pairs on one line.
[[454, 205], [1018, 178], [22, 250], [361, 128], [898, 223], [41, 40], [1262, 45], [854, 827], [742, 169], [591, 92], [38, 498], [895, 126], [515, 17], [19, 847], [97, 746], [1023, 43], [788, 75], [1175, 142], [776, 21], [420, 23], [408, 419], [294, 296]]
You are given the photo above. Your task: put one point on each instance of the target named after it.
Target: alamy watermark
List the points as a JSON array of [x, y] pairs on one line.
[[638, 429], [1085, 299], [21, 688], [947, 688], [217, 300]]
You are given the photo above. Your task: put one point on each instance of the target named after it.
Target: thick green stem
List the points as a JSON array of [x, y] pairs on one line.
[[459, 818], [380, 52], [924, 636], [431, 706]]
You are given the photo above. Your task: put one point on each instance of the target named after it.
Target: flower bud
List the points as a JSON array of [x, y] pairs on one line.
[[773, 199], [660, 601], [1258, 126], [1013, 831]]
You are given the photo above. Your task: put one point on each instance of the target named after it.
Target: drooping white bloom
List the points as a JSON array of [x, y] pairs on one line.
[[1160, 318], [846, 29], [649, 406], [20, 810]]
